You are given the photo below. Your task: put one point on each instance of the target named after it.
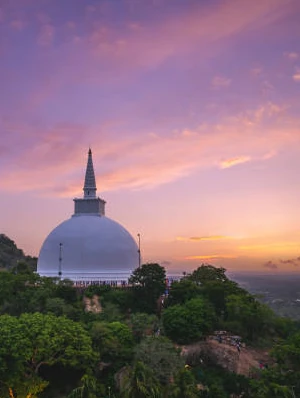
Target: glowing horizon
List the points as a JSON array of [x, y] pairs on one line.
[[192, 113]]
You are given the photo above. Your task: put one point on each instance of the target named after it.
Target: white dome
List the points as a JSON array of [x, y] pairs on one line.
[[93, 247]]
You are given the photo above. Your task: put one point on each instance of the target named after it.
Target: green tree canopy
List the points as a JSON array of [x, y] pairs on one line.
[[184, 385], [183, 290], [160, 355], [248, 317], [149, 282], [208, 273], [150, 276], [114, 341], [189, 322], [35, 340], [11, 257], [143, 324], [141, 383]]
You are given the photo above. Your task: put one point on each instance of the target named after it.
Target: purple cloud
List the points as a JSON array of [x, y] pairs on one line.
[[270, 265]]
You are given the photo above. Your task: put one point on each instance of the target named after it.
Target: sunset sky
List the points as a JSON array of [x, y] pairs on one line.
[[191, 108]]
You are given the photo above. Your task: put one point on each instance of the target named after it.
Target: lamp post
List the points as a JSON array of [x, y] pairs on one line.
[[139, 249], [60, 260]]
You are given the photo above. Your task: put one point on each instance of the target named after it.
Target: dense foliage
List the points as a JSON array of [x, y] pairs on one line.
[[50, 346], [190, 321], [13, 258]]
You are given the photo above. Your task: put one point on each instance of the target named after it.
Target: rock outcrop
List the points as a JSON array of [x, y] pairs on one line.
[[92, 304], [225, 355]]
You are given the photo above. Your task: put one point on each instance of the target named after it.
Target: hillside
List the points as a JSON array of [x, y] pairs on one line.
[[226, 356], [11, 255], [279, 291], [210, 339]]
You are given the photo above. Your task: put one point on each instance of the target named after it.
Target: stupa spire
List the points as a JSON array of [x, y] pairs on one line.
[[90, 204], [89, 188]]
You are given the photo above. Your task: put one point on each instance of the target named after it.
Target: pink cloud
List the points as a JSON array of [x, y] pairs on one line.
[[292, 55], [198, 27], [267, 87], [225, 164], [219, 81], [17, 24], [256, 71], [138, 162], [117, 53], [46, 35], [296, 75]]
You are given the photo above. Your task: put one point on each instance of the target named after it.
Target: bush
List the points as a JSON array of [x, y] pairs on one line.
[[189, 322]]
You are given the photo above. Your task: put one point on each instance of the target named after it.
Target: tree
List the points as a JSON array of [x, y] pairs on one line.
[[35, 340], [29, 292], [143, 324], [159, 354], [250, 318], [216, 391], [114, 341], [70, 343], [88, 388], [217, 291], [271, 383], [14, 350], [184, 385], [149, 282], [21, 268], [11, 256], [189, 322], [150, 275], [141, 383], [282, 379], [65, 290], [285, 327], [183, 290], [287, 353], [123, 298], [208, 273]]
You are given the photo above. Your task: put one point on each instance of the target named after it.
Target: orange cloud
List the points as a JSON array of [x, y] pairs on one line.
[[280, 248], [225, 164], [200, 238], [210, 257]]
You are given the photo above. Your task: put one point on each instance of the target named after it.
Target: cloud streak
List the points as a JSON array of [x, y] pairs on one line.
[[292, 261], [210, 257], [199, 26], [225, 164], [219, 82], [296, 75], [202, 238], [138, 162], [270, 265], [292, 55]]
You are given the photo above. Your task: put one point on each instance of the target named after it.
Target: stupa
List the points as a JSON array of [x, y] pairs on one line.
[[89, 246]]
